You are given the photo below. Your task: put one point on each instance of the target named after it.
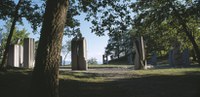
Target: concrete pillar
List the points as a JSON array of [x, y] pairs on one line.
[[79, 54], [154, 59], [74, 57], [82, 54], [105, 59], [170, 58], [15, 56], [29, 52], [176, 54], [21, 53], [186, 57]]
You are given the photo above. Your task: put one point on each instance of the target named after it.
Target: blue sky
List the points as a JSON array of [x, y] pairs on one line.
[[95, 44]]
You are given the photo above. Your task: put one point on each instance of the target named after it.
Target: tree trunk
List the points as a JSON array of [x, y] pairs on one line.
[[45, 81], [5, 54]]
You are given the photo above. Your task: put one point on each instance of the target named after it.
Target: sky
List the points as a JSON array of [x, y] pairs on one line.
[[95, 44]]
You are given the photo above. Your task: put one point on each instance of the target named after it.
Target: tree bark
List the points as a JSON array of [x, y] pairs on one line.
[[45, 81], [5, 54]]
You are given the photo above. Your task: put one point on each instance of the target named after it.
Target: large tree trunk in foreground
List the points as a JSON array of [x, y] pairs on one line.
[[5, 54], [45, 80]]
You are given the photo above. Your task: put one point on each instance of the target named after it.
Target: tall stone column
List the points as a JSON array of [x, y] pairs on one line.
[[186, 57], [21, 53], [82, 54], [79, 54], [170, 58], [105, 59], [74, 57], [13, 56], [29, 52]]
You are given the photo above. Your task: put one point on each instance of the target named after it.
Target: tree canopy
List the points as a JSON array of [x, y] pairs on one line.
[[167, 21]]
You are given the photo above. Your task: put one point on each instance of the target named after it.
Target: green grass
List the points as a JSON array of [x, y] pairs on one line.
[[172, 82], [168, 72]]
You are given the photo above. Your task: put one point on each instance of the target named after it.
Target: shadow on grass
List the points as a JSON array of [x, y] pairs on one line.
[[148, 86], [16, 83]]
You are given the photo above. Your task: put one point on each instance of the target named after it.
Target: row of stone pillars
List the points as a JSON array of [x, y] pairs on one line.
[[22, 56]]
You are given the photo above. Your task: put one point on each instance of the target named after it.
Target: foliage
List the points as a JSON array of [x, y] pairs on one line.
[[18, 35], [119, 44], [166, 22], [114, 18], [92, 61], [28, 10], [105, 15], [66, 49]]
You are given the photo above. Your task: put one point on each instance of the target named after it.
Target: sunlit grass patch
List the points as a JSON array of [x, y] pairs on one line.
[[169, 71], [80, 76], [111, 75]]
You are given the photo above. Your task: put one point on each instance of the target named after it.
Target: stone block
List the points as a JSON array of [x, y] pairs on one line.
[[79, 54], [15, 56], [29, 53]]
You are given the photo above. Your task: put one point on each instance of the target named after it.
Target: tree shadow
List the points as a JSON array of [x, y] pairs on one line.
[[17, 83], [187, 85]]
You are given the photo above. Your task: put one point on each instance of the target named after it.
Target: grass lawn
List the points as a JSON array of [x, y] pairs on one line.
[[111, 82]]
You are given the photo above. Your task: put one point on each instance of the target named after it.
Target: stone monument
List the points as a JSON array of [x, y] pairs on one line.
[[154, 59], [79, 54], [29, 52], [176, 54], [15, 56], [186, 57], [105, 59], [170, 58]]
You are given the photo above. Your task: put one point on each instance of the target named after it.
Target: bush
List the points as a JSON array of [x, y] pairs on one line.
[[92, 61]]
